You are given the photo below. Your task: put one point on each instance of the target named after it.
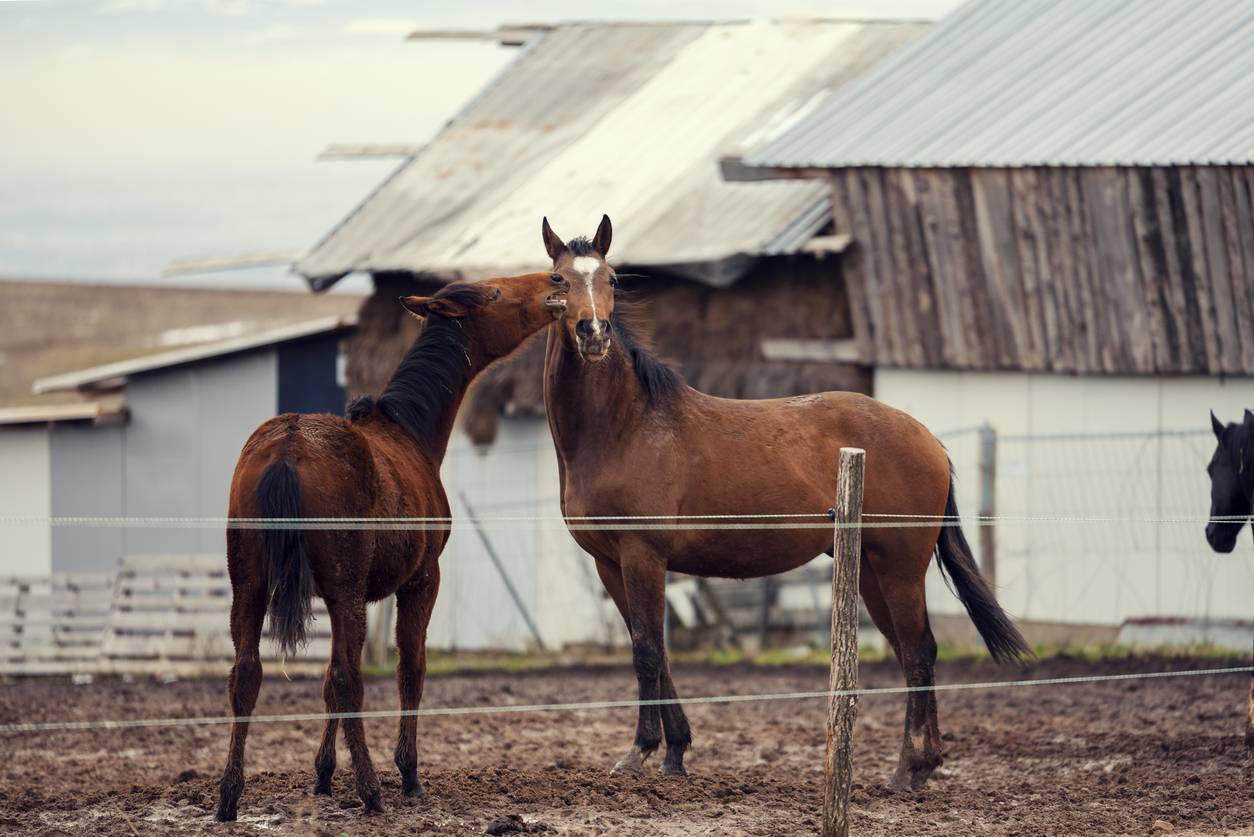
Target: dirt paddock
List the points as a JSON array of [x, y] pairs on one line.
[[1090, 758]]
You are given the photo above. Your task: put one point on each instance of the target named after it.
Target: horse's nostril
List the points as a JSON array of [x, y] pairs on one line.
[[605, 326]]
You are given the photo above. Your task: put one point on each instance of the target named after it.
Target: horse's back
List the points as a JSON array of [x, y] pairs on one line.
[[813, 428]]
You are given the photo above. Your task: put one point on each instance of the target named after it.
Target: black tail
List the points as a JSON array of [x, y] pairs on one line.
[[997, 630], [289, 583]]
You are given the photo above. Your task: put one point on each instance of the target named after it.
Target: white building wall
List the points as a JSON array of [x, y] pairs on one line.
[[1084, 447], [25, 491], [555, 580]]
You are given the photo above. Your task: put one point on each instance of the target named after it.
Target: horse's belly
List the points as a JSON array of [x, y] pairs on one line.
[[747, 553]]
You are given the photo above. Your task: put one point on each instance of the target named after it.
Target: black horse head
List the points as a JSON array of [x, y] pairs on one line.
[[1231, 472]]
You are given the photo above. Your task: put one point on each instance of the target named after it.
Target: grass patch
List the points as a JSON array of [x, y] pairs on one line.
[[463, 662]]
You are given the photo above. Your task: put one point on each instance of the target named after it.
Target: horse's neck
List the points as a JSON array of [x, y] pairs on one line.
[[430, 389], [437, 446], [1245, 465], [590, 405]]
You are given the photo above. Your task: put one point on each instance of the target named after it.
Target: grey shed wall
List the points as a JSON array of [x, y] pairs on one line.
[[87, 470], [174, 458], [176, 454], [186, 430]]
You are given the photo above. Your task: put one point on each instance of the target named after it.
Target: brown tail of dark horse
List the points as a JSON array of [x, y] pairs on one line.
[[289, 583], [997, 630]]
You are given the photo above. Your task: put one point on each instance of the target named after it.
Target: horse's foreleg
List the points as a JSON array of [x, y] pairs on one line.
[[324, 761], [675, 725], [248, 610], [413, 613], [674, 722], [348, 636], [644, 585]]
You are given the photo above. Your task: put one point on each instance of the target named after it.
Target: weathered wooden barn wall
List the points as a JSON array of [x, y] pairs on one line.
[[712, 335], [1084, 270]]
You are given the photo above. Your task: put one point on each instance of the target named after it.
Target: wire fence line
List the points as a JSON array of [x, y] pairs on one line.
[[799, 520], [445, 711]]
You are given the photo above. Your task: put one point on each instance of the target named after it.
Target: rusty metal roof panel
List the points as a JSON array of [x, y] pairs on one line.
[[1045, 82], [623, 119]]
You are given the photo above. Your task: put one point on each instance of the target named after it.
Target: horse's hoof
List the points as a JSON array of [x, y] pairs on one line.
[[415, 791], [900, 783], [672, 770], [322, 788], [374, 805], [226, 813], [631, 764]]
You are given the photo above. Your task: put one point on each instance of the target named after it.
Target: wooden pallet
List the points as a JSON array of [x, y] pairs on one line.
[[172, 613], [53, 624], [166, 614]]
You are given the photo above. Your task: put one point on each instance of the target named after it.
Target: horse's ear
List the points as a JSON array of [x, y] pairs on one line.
[[601, 241], [1217, 425], [1249, 417], [423, 306], [416, 305], [553, 245]]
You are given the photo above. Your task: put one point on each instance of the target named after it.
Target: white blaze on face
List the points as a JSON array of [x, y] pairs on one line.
[[586, 266]]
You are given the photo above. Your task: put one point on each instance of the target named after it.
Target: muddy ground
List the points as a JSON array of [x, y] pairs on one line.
[[1091, 758]]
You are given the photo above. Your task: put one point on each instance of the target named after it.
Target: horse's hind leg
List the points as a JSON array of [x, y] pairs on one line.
[[916, 649], [324, 762], [248, 608], [348, 636], [413, 612], [869, 588], [674, 721]]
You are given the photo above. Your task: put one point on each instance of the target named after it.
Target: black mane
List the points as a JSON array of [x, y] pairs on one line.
[[658, 380], [435, 370]]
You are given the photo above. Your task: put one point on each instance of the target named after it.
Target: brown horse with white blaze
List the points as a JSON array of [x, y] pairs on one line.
[[633, 439], [381, 461]]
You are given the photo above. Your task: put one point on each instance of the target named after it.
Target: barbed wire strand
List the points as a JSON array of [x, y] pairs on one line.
[[54, 726]]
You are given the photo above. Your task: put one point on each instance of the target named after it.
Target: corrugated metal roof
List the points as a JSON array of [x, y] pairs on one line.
[[623, 119], [118, 373], [1046, 83]]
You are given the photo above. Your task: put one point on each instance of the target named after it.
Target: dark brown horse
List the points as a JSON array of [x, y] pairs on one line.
[[632, 439], [382, 461], [1231, 472]]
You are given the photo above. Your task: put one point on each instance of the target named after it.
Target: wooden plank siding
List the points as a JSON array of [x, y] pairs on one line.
[[1102, 270]]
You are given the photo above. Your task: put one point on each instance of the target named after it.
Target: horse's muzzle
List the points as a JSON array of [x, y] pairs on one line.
[[1222, 537], [593, 338]]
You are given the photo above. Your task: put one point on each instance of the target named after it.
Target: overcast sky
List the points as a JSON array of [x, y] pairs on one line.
[[135, 132]]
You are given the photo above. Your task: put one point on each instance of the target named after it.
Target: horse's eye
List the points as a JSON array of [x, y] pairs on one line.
[[613, 281], [556, 277]]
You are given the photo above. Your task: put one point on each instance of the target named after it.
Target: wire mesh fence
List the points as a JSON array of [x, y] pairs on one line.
[[1110, 567]]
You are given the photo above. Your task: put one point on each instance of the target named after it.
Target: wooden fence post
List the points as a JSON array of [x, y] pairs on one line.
[[841, 709], [988, 504], [378, 632]]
